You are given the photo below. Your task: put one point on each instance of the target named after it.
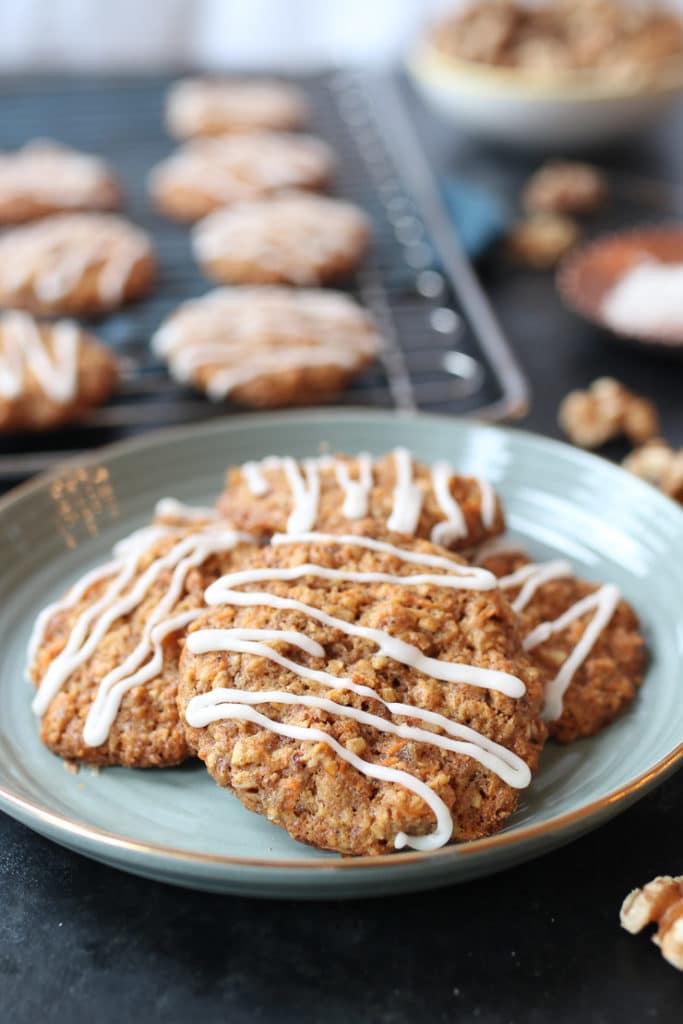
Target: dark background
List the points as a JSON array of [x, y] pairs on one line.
[[539, 943]]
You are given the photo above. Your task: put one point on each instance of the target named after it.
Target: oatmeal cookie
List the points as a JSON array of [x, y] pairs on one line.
[[50, 374], [344, 494], [75, 263], [268, 347], [356, 694], [205, 106], [602, 683], [293, 238], [209, 173], [45, 177], [105, 657]]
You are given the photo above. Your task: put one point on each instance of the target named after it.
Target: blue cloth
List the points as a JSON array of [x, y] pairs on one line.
[[479, 215]]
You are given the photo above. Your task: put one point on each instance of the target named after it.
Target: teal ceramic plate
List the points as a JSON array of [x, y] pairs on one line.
[[176, 825]]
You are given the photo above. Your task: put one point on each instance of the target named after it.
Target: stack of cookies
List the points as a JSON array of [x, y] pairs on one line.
[[346, 643]]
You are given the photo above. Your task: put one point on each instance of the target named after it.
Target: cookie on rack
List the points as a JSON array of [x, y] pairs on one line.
[[209, 173], [585, 641], [45, 177], [362, 494], [293, 238], [75, 264], [363, 696], [268, 346], [105, 657], [215, 106], [50, 373]]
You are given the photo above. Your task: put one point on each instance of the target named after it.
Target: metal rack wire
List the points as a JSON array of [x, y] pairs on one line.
[[444, 350]]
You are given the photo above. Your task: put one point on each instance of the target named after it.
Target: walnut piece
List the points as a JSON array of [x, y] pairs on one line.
[[603, 37], [606, 410], [564, 187], [659, 902], [540, 241], [660, 465]]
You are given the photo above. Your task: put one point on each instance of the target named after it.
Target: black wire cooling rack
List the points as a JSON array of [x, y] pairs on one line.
[[444, 350]]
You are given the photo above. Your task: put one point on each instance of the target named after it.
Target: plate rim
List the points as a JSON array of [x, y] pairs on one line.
[[99, 838]]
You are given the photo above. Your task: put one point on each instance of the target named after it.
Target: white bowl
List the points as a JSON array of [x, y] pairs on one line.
[[527, 110]]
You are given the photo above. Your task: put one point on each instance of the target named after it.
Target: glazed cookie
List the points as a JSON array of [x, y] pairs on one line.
[[75, 263], [45, 177], [204, 106], [50, 374], [209, 173], [584, 640], [105, 657], [343, 494], [363, 696], [293, 238], [268, 347]]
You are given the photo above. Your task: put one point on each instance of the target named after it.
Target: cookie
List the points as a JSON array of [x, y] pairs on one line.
[[45, 177], [268, 347], [75, 263], [204, 106], [345, 494], [293, 238], [363, 696], [209, 173], [584, 640], [50, 374], [105, 657]]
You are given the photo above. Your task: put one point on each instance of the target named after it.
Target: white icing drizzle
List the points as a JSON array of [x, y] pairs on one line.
[[199, 716], [455, 526], [603, 603], [531, 577], [52, 255], [254, 478], [306, 494], [222, 592], [72, 597], [495, 546], [356, 492], [171, 508], [23, 349], [487, 580], [511, 768], [405, 513], [145, 661], [488, 504], [407, 495]]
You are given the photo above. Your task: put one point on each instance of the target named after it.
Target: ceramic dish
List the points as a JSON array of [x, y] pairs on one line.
[[529, 111], [176, 825], [590, 271]]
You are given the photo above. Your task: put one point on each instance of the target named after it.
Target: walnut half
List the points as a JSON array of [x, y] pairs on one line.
[[659, 902], [660, 465], [607, 409]]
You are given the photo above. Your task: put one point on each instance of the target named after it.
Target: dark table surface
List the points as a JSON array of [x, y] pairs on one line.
[[538, 943]]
